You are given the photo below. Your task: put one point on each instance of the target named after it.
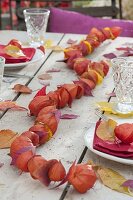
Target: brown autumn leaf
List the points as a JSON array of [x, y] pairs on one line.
[[44, 77], [7, 136], [10, 105], [113, 180], [22, 88], [105, 130]]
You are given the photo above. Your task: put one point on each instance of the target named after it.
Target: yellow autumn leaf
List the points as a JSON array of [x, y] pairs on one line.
[[6, 138], [113, 180], [57, 48], [13, 51], [109, 107], [105, 130], [48, 43]]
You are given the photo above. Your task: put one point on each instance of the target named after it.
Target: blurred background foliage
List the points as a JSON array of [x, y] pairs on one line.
[[127, 7]]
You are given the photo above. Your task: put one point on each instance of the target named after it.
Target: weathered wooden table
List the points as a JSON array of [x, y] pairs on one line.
[[68, 142]]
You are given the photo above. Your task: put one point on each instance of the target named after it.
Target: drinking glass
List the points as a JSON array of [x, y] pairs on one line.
[[36, 20], [2, 64], [123, 80]]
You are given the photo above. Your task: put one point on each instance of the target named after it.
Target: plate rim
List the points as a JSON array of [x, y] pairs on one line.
[[89, 143], [17, 65]]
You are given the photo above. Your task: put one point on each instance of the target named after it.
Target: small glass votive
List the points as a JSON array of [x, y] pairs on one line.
[[36, 20], [123, 81]]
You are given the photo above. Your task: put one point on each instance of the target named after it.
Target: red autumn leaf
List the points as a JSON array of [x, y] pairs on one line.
[[44, 77], [128, 183], [10, 105], [124, 49], [110, 55], [22, 88], [127, 53], [69, 116], [41, 49], [41, 92]]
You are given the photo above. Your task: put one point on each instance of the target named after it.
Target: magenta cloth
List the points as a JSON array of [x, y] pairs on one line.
[[62, 21], [120, 150], [28, 52]]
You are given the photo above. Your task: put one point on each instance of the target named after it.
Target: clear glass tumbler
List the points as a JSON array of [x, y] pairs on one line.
[[123, 80], [2, 64], [36, 20]]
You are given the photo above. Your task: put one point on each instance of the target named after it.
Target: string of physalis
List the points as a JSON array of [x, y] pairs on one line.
[[45, 108]]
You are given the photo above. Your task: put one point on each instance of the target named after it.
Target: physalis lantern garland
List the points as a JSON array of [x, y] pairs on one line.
[[45, 108]]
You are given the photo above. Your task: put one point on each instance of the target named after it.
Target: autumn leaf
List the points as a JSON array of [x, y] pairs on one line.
[[13, 51], [41, 49], [57, 48], [10, 105], [44, 77], [6, 138], [128, 183], [48, 43], [53, 70], [113, 180], [112, 94], [70, 41], [109, 107], [69, 116], [105, 130], [22, 88], [110, 55]]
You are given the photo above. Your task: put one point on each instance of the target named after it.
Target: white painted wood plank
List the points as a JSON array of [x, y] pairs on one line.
[[68, 142]]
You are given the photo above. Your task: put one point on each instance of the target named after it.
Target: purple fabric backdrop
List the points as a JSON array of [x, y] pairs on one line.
[[72, 22]]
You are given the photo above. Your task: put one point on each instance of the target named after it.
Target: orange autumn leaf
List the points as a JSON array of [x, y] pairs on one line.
[[22, 89], [6, 138], [10, 105], [44, 77], [105, 130], [13, 51]]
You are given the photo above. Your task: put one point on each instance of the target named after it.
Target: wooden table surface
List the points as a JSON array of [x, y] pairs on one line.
[[68, 142]]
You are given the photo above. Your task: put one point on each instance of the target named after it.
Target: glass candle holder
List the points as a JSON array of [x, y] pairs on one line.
[[36, 20], [123, 81]]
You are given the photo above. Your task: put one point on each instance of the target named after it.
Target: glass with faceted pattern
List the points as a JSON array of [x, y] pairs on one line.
[[36, 20], [123, 80]]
